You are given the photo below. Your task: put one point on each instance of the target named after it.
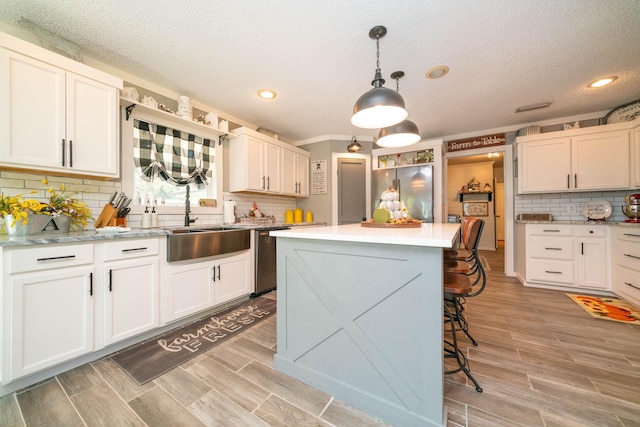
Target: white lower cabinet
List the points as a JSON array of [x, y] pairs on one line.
[[626, 263], [592, 257], [232, 279], [189, 289], [567, 255], [49, 304], [131, 288], [59, 302], [196, 286]]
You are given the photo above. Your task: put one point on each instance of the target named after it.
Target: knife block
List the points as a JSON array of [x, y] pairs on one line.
[[108, 213], [118, 222]]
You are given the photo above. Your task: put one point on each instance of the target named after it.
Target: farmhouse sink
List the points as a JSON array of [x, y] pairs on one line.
[[193, 243]]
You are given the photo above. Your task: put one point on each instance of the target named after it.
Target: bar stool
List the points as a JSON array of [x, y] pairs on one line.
[[455, 285], [471, 267]]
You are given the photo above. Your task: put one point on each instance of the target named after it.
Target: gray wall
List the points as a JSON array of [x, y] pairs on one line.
[[320, 204]]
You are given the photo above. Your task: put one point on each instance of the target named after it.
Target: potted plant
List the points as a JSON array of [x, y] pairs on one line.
[[28, 216]]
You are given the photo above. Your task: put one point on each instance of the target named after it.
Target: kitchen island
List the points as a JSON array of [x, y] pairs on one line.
[[360, 316]]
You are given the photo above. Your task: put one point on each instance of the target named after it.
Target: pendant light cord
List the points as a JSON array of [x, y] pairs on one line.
[[378, 53]]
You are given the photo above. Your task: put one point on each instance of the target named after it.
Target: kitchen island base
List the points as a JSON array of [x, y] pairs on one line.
[[363, 322]]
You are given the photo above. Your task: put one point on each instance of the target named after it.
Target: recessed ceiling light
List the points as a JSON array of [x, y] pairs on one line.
[[603, 82], [437, 72], [266, 94], [533, 107]]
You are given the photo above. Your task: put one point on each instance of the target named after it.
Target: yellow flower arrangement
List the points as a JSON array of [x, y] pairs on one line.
[[61, 202]]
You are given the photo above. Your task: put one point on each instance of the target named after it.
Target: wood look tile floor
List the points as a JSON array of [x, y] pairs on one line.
[[541, 360]]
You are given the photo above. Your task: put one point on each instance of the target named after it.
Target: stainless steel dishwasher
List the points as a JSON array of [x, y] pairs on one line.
[[265, 268]]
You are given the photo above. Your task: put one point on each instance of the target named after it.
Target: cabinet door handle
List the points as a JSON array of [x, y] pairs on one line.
[[633, 286], [568, 180], [218, 272], [134, 250], [90, 284], [64, 151], [110, 279], [70, 153], [581, 248], [550, 231], [213, 272], [55, 258], [553, 249], [632, 256], [268, 185], [575, 180], [632, 235], [263, 186], [553, 272]]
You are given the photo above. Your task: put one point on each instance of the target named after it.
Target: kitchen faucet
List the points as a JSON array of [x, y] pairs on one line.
[[187, 210]]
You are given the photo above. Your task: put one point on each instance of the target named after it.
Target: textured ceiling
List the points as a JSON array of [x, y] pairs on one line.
[[318, 57]]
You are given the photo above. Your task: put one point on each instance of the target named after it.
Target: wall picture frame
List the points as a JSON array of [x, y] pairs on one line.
[[475, 208]]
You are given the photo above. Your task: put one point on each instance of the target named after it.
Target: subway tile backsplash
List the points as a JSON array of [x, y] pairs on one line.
[[96, 194], [568, 206]]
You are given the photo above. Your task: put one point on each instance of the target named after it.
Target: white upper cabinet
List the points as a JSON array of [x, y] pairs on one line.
[[575, 160], [295, 173], [260, 164], [635, 155], [92, 126], [56, 115], [600, 161], [544, 166]]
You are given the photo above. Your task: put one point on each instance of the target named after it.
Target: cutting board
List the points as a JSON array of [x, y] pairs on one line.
[[390, 224], [108, 213]]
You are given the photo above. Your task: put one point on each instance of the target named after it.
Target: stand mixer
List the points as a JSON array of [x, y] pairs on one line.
[[632, 208]]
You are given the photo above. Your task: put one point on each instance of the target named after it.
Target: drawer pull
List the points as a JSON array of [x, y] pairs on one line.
[[633, 286], [56, 258], [553, 249], [553, 272], [550, 231], [632, 235], [632, 256], [134, 250]]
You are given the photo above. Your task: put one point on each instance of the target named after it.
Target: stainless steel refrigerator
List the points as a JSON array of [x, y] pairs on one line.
[[413, 183]]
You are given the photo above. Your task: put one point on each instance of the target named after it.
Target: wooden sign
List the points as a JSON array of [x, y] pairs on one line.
[[476, 142]]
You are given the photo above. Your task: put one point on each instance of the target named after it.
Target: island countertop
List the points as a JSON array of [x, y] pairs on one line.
[[441, 235]]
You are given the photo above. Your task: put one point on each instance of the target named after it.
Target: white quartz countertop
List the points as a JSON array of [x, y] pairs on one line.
[[435, 235]]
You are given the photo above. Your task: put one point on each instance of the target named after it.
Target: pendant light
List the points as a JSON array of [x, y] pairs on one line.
[[401, 134], [379, 107], [354, 146]]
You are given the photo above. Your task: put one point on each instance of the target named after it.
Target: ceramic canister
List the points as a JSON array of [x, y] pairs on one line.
[[184, 107], [297, 215], [288, 217], [309, 217]]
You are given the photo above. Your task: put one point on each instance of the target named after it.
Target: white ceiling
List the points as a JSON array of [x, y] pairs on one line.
[[319, 58]]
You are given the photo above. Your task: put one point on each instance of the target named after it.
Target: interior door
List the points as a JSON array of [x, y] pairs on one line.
[[499, 213], [352, 200]]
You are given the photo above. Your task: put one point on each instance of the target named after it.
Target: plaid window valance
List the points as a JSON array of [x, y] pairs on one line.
[[177, 157]]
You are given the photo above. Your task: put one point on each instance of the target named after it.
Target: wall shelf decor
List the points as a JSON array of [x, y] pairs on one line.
[[475, 208], [476, 195]]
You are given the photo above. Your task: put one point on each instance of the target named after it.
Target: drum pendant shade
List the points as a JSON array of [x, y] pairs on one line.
[[400, 135], [379, 107]]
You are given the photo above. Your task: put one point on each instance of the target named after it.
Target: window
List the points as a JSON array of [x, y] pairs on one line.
[[164, 159]]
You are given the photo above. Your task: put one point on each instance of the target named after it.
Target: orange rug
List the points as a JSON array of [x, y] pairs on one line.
[[608, 308]]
